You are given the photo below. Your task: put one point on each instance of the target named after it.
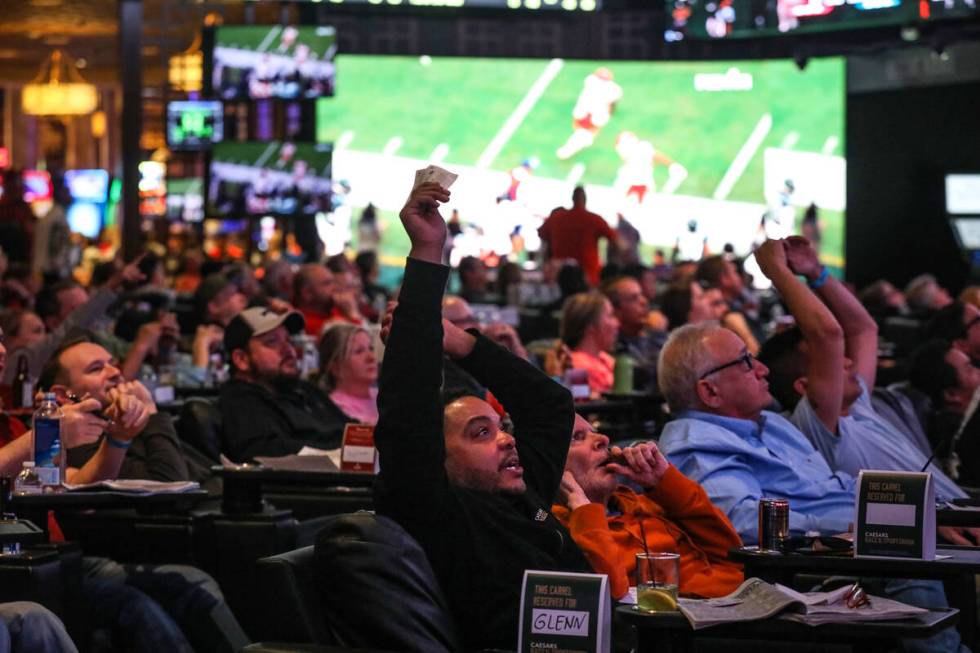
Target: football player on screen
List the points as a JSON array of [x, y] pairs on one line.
[[592, 111], [635, 179]]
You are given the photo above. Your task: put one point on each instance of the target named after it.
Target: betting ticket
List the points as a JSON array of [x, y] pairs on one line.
[[434, 173]]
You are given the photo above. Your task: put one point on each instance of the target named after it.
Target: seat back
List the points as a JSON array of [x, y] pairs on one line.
[[199, 425], [905, 333], [292, 602], [377, 589]]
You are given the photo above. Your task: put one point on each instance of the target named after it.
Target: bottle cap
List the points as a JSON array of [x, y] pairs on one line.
[[28, 463], [50, 396]]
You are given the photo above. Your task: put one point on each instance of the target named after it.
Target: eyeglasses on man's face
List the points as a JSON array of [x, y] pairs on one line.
[[746, 360]]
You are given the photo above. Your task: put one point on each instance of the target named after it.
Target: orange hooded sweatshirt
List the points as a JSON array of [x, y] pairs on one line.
[[677, 516]]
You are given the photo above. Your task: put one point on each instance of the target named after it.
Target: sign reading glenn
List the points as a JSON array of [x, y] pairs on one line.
[[565, 612]]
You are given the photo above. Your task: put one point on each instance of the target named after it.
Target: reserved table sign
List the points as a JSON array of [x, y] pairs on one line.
[[896, 515], [358, 453], [564, 612]]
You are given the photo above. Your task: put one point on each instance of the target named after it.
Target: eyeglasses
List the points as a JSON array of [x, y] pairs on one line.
[[745, 359]]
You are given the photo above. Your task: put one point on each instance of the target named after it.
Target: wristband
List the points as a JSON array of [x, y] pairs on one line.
[[820, 280], [118, 444]]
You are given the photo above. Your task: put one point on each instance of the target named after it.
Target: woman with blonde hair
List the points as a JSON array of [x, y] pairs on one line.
[[349, 371], [589, 328]]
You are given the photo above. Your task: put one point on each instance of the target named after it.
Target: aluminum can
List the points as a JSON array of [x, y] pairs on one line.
[[773, 523]]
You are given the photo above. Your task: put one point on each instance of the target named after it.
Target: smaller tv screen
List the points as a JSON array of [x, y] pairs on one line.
[[967, 232], [194, 124], [274, 178], [285, 62], [185, 199], [88, 185], [85, 218], [963, 194], [37, 185]]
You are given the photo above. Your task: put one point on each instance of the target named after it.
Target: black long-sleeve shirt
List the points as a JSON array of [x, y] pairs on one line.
[[258, 422], [155, 454], [478, 543]]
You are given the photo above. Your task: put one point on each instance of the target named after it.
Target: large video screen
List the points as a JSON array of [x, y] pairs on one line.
[[281, 61], [727, 151], [518, 5], [718, 19], [273, 178]]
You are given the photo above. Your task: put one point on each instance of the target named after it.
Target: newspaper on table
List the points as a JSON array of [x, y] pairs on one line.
[[137, 486], [756, 599], [301, 462], [306, 460]]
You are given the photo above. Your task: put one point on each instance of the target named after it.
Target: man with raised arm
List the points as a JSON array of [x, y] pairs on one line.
[[475, 497], [724, 438], [822, 370]]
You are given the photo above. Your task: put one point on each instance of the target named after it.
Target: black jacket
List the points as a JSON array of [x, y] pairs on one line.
[[478, 543], [257, 422]]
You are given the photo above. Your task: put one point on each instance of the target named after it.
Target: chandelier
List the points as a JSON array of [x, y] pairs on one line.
[[59, 90], [185, 72]]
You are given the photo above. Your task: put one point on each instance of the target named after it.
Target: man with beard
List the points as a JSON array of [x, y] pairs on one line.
[[476, 497], [266, 410], [85, 370], [147, 607]]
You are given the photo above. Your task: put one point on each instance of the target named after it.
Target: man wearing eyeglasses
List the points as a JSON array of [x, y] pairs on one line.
[[724, 438]]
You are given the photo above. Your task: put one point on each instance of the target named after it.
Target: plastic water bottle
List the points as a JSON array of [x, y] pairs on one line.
[[27, 481], [49, 459]]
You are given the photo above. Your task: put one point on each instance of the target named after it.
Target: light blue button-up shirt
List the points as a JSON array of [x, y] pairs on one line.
[[739, 461], [868, 441]]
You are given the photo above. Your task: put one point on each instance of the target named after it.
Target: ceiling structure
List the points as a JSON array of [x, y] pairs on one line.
[[88, 30]]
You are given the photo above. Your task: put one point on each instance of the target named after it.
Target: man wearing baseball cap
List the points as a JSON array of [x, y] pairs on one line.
[[266, 409]]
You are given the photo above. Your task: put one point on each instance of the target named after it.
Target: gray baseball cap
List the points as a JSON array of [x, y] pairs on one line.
[[258, 320]]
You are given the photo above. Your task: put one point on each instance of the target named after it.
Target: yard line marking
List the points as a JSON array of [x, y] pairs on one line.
[[830, 145], [520, 113], [790, 140], [439, 153], [269, 38], [266, 153], [392, 146], [744, 157], [575, 173], [344, 140]]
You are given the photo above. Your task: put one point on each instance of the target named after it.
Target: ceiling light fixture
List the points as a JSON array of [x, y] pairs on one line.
[[59, 90]]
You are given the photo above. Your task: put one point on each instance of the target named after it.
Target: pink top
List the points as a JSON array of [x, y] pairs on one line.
[[363, 409], [600, 370]]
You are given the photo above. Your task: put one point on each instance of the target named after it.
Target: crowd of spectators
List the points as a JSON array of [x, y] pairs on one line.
[[787, 392]]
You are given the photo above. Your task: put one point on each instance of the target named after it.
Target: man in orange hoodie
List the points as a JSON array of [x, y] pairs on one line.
[[609, 521]]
